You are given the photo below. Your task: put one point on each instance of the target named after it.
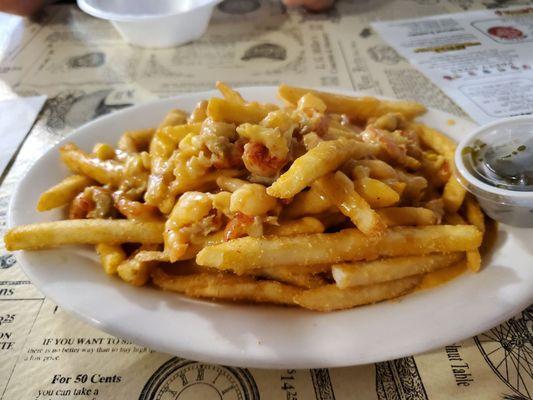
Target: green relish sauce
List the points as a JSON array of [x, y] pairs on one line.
[[503, 164]]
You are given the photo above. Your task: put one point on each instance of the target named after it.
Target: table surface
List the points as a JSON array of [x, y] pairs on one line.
[[86, 70]]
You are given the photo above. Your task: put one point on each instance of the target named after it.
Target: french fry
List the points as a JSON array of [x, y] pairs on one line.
[[229, 94], [174, 117], [305, 280], [454, 219], [295, 227], [436, 141], [307, 203], [205, 181], [390, 121], [63, 193], [226, 287], [453, 195], [135, 271], [473, 260], [331, 298], [376, 193], [442, 275], [378, 169], [199, 114], [474, 215], [361, 108], [84, 231], [339, 190], [103, 151], [162, 146], [406, 216], [111, 256], [322, 159], [108, 172], [135, 141], [389, 269], [228, 111], [247, 253], [230, 184]]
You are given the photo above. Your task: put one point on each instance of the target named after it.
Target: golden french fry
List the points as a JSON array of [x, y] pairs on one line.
[[135, 271], [108, 172], [376, 193], [436, 141], [111, 256], [473, 260], [230, 184], [162, 146], [442, 275], [63, 193], [226, 287], [339, 190], [104, 151], [453, 195], [174, 117], [198, 243], [252, 199], [152, 255], [390, 269], [454, 219], [135, 141], [247, 253], [229, 94], [228, 111], [474, 215], [307, 203], [83, 231], [390, 121], [330, 297], [406, 216], [190, 208], [284, 275], [360, 108], [322, 159], [415, 186], [295, 227], [378, 169], [208, 180]]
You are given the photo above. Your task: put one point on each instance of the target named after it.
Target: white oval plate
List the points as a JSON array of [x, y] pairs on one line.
[[265, 336]]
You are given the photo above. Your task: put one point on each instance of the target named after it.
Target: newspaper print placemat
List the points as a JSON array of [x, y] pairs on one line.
[[86, 71]]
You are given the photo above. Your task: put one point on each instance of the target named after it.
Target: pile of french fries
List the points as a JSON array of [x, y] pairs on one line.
[[328, 202]]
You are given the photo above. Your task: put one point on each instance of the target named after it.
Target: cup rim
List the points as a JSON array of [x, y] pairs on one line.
[[465, 174], [111, 16]]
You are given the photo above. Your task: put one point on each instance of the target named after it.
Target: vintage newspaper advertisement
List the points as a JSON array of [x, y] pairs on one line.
[[87, 71], [483, 60]]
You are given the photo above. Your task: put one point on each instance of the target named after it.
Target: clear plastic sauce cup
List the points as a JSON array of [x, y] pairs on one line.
[[495, 163]]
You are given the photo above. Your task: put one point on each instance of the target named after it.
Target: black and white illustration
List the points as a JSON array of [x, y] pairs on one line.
[[180, 379], [399, 379], [92, 59], [508, 349], [384, 54], [7, 261], [72, 108], [269, 51], [85, 65], [322, 384]]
